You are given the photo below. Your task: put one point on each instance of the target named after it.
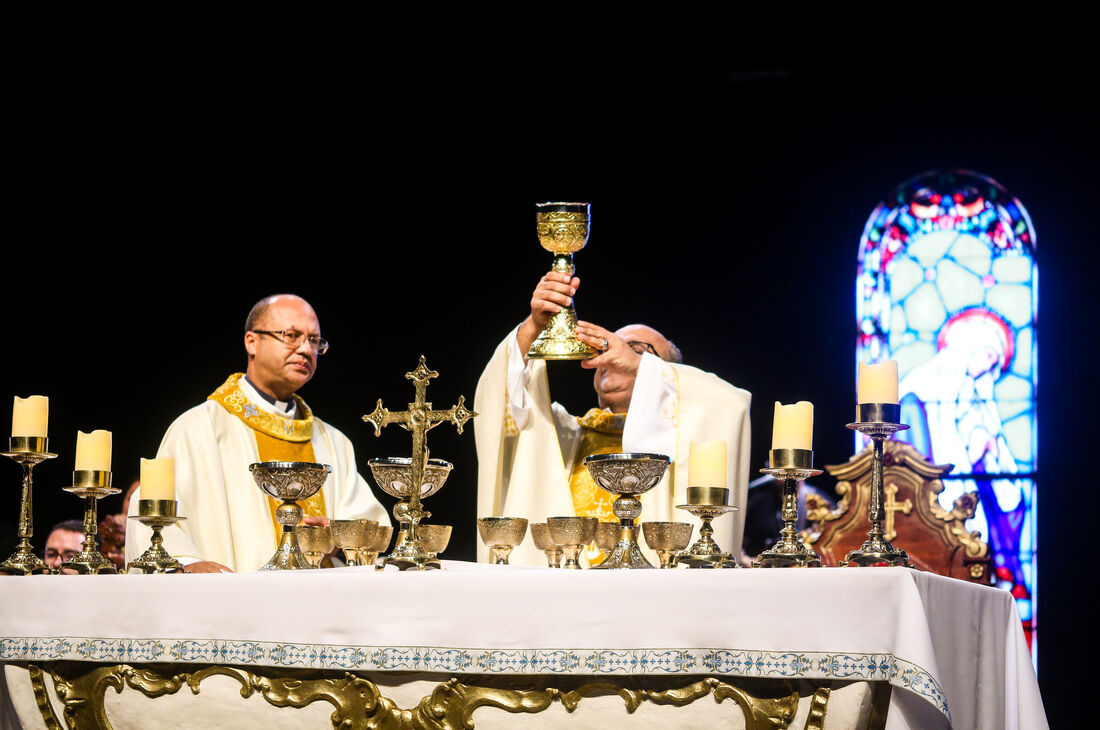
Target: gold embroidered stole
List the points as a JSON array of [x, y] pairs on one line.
[[277, 438], [602, 433]]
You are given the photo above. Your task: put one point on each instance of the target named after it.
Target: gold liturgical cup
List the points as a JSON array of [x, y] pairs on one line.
[[289, 481], [563, 230], [626, 475]]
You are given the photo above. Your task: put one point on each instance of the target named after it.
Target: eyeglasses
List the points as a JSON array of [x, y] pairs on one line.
[[642, 347], [294, 339]]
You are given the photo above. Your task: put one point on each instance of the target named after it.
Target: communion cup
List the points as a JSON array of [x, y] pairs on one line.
[[540, 533], [353, 536], [572, 533], [316, 542], [501, 534], [668, 539]]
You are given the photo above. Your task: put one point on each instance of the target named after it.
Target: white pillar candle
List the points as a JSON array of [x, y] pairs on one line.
[[29, 416], [158, 479], [707, 464], [793, 426], [93, 451], [877, 383]]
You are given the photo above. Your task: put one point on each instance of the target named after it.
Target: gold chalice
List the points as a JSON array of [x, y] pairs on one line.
[[315, 541], [607, 536], [540, 533], [381, 541], [668, 539], [572, 533], [394, 476], [435, 538], [353, 536], [501, 534], [563, 230], [289, 481], [626, 475]]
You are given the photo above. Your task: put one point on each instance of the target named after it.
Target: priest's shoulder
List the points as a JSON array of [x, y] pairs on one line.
[[693, 378], [202, 416]]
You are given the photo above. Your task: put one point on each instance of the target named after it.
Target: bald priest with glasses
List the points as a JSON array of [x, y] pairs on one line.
[[530, 450], [255, 416]]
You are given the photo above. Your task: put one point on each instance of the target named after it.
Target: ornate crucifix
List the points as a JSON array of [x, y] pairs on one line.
[[419, 419]]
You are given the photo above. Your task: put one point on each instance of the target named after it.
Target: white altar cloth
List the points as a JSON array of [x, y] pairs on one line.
[[954, 649]]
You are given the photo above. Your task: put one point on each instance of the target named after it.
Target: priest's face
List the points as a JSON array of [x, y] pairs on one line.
[[275, 362], [614, 387], [61, 546]]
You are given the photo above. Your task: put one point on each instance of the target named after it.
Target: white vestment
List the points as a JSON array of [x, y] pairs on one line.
[[228, 517], [526, 445]]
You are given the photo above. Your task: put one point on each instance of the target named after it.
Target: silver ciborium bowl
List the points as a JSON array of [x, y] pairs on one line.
[[394, 474], [626, 475], [289, 481]]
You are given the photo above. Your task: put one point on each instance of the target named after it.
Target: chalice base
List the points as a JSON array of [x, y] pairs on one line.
[[289, 555], [24, 562], [558, 341], [626, 554]]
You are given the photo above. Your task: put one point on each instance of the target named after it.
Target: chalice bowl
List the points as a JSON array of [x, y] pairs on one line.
[[315, 541], [540, 533], [501, 534], [289, 481], [668, 539], [626, 475], [354, 538], [563, 230], [572, 534], [394, 476]]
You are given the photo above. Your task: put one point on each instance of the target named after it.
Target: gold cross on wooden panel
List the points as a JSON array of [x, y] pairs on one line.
[[890, 506]]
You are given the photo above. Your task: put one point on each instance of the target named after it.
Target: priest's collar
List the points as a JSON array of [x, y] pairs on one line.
[[257, 394]]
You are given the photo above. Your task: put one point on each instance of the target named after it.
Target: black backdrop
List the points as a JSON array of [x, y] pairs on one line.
[[148, 209]]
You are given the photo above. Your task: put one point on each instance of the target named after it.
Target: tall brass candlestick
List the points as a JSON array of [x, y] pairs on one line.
[[563, 230], [93, 485], [156, 514], [792, 466], [707, 503], [27, 451], [877, 421]]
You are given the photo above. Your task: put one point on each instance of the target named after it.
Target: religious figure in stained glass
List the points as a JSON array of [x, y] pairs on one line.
[[946, 287]]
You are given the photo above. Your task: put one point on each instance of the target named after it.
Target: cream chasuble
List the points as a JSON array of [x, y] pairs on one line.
[[527, 446], [229, 520]]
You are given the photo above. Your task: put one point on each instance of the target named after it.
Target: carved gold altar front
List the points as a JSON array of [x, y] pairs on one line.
[[81, 691]]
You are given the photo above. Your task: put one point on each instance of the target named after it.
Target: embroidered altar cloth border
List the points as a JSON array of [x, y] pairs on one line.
[[956, 645]]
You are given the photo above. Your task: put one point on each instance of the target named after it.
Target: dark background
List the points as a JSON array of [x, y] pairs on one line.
[[148, 208]]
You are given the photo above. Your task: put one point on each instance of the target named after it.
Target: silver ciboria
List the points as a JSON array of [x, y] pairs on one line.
[[289, 481], [626, 475]]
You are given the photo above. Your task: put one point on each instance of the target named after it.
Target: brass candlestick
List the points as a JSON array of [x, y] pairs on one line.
[[563, 230], [156, 514], [707, 503], [93, 485], [626, 475], [289, 481], [792, 466], [877, 421], [418, 419], [27, 451]]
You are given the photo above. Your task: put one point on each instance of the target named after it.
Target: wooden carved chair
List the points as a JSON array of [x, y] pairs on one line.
[[936, 539]]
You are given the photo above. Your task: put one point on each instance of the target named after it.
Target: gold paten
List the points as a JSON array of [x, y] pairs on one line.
[[878, 422], [27, 451], [563, 230], [359, 704], [156, 514], [792, 466], [93, 485], [418, 419]]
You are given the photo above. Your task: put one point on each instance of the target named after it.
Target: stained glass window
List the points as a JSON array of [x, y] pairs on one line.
[[947, 286]]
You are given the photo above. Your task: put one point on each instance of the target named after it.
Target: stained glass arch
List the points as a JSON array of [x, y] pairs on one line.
[[947, 285]]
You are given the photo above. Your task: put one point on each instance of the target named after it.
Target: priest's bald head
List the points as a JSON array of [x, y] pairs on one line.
[[283, 340]]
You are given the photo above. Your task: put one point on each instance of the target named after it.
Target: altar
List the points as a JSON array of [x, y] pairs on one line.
[[503, 646]]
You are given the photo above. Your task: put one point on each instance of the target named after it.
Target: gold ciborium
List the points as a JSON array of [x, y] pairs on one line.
[[572, 533], [289, 481], [707, 503], [540, 533], [668, 539], [626, 475], [501, 534], [563, 230], [315, 541], [93, 485], [26, 451], [394, 475], [354, 538], [156, 514], [878, 422], [792, 466]]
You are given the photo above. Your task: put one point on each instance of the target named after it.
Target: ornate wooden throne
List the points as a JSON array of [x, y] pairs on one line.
[[936, 539]]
